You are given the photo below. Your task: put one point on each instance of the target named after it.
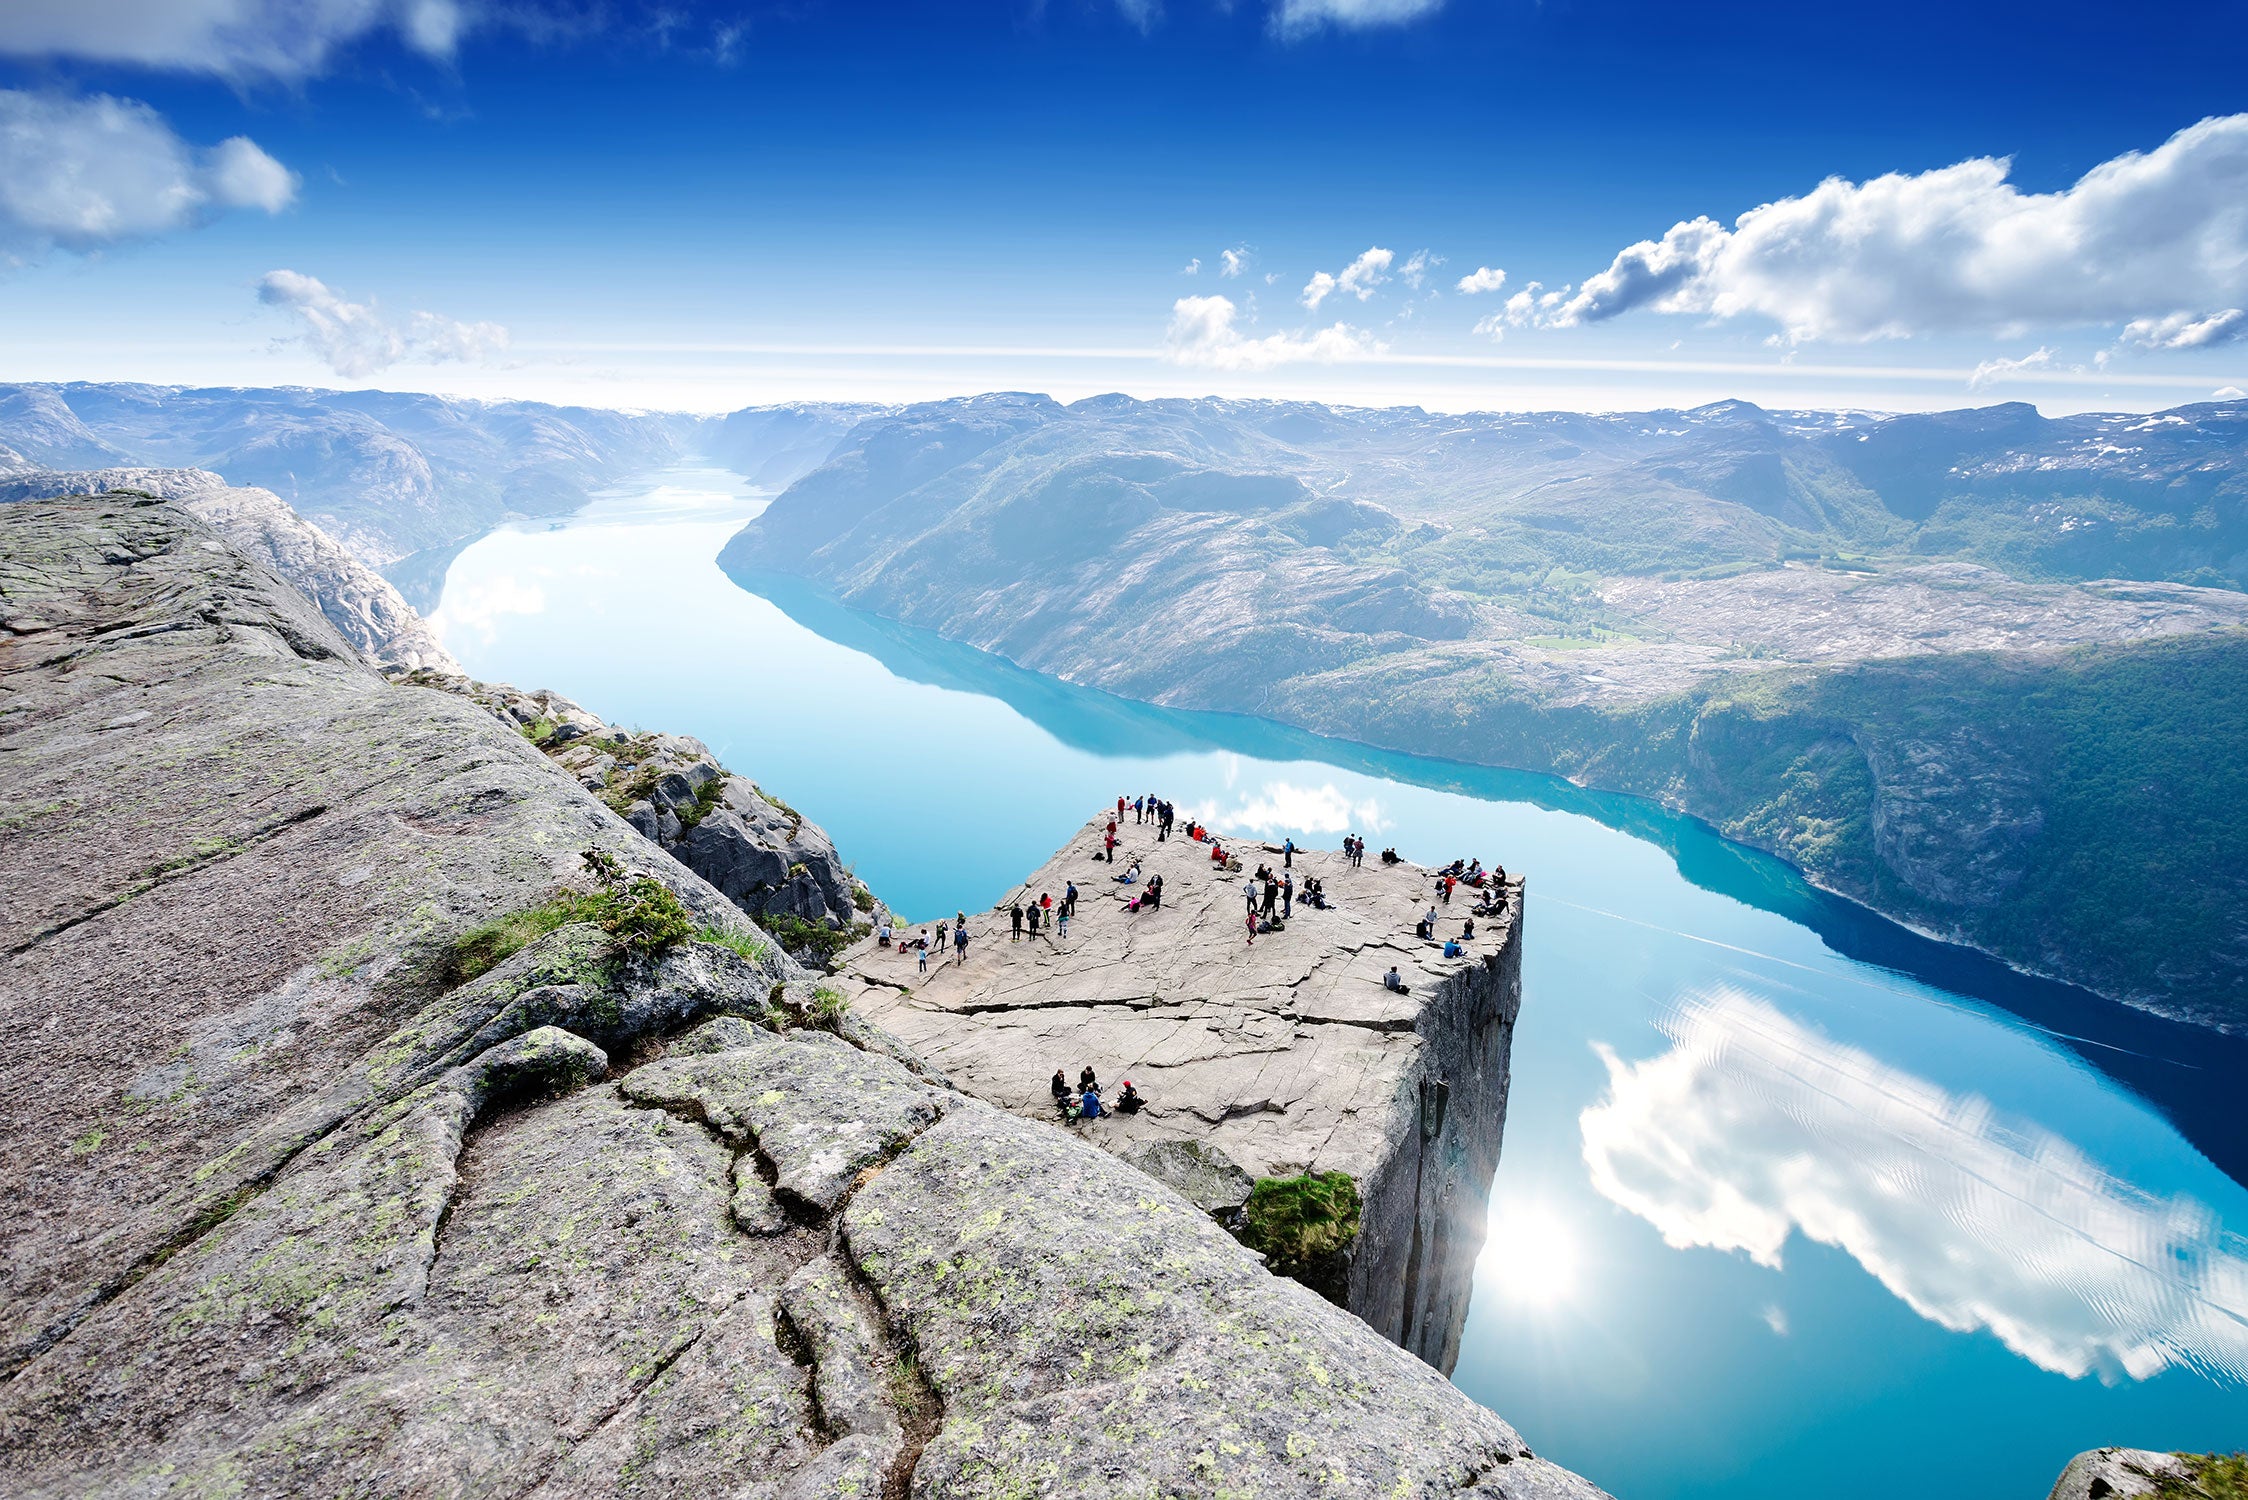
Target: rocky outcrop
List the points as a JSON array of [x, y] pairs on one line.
[[1259, 1061], [2121, 1473], [363, 1138], [763, 855], [363, 606]]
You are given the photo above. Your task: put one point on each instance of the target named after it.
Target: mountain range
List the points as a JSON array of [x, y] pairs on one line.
[[1980, 669]]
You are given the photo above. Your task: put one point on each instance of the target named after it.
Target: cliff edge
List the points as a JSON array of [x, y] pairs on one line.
[[1274, 1061], [386, 1111]]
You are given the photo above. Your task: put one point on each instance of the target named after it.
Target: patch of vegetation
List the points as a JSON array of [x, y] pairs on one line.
[[829, 1006], [641, 913], [861, 897], [816, 939], [1305, 1226], [707, 798], [748, 945], [483, 948], [2216, 1476]]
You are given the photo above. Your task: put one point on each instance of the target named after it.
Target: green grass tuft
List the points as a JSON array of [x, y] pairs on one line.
[[1305, 1226]]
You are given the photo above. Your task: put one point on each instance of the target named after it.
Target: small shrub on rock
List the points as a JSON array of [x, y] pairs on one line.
[[1306, 1227]]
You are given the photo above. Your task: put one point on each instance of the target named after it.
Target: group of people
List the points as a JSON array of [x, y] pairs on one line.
[[954, 931], [1036, 916], [1149, 809], [1271, 898], [1084, 1102]]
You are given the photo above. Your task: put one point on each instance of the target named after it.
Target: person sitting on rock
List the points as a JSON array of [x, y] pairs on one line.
[[1086, 1079], [1421, 930], [1090, 1105], [1128, 1102], [1155, 890], [1391, 981], [882, 936], [1131, 873], [1467, 930], [1061, 1090], [1452, 948]]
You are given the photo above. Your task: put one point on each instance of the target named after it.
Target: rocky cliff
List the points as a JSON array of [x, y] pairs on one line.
[[362, 605], [386, 1113], [1272, 1062]]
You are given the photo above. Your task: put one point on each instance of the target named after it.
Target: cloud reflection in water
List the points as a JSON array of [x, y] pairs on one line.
[[1754, 1125]]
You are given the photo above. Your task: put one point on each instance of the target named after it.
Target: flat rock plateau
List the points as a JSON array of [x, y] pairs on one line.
[[357, 1144], [1280, 1057]]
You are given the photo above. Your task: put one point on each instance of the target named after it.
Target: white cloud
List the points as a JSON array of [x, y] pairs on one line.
[[1359, 278], [1417, 268], [1233, 262], [1140, 15], [357, 338], [1754, 1127], [1202, 332], [2188, 330], [2228, 393], [2154, 239], [1990, 370], [87, 172], [1493, 326], [1481, 279], [1300, 18], [1192, 267], [286, 39]]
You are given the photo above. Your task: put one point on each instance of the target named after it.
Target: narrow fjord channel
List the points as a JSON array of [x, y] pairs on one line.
[[1792, 1202]]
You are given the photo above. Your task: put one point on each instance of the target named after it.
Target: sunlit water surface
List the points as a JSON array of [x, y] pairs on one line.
[[1771, 1220]]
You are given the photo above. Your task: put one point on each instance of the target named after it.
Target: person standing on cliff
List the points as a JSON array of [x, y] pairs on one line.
[[1287, 897], [1017, 935], [1287, 854], [1069, 900], [1252, 927], [960, 943]]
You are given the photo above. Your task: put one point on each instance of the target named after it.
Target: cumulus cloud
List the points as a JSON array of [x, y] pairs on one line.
[[87, 172], [2156, 240], [285, 39], [1202, 332], [1300, 18], [1233, 262], [1359, 278], [1754, 1127], [1991, 370], [358, 338], [2188, 330], [1481, 279]]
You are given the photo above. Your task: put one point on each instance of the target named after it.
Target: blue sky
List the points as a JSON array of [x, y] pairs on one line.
[[707, 206]]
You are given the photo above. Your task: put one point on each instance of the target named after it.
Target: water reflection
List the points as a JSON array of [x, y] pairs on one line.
[[1754, 1126]]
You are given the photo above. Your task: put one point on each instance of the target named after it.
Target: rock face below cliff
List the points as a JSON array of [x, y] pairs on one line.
[[336, 1168], [363, 606], [763, 855], [1279, 1058]]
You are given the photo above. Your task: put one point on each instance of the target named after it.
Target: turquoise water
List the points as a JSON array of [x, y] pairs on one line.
[[1793, 1203]]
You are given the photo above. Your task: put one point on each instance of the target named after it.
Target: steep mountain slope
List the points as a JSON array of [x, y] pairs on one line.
[[1539, 590]]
